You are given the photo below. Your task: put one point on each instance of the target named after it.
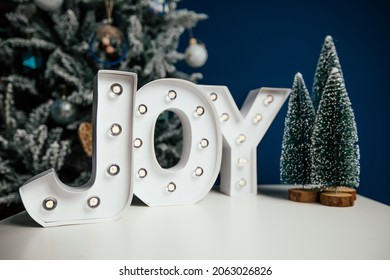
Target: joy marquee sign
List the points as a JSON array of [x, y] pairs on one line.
[[217, 137]]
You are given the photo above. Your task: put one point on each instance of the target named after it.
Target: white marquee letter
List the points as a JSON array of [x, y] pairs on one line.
[[193, 177], [109, 191], [242, 131]]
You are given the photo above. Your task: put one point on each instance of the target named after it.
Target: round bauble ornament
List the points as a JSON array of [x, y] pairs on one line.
[[108, 45], [49, 5], [161, 7], [196, 54], [63, 112]]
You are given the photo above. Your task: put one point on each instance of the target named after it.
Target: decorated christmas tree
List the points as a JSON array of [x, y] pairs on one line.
[[335, 150], [50, 52], [295, 162], [327, 61]]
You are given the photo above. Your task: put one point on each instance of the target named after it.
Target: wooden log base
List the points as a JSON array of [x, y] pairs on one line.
[[343, 190], [336, 199], [303, 195]]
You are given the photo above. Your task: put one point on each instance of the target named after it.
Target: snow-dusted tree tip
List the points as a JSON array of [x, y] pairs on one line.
[[328, 39], [327, 60], [298, 75]]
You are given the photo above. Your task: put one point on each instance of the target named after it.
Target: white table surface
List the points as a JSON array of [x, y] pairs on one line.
[[266, 226]]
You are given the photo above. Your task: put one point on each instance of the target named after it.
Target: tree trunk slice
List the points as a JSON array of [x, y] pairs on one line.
[[336, 199], [303, 195], [343, 190], [348, 190]]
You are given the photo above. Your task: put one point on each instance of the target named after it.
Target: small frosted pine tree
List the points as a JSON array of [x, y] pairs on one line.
[[327, 61], [295, 162], [335, 150]]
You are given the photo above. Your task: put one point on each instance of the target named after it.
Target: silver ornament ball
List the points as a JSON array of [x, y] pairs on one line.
[[49, 5], [196, 54], [63, 112]]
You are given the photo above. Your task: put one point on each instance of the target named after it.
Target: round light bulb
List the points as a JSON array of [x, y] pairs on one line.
[[172, 95], [93, 202], [204, 143], [137, 143], [269, 99], [117, 89], [242, 161], [142, 173], [171, 187], [115, 129], [241, 183], [257, 118], [225, 117], [49, 203], [241, 138], [213, 96], [199, 171], [142, 109], [113, 169], [199, 111]]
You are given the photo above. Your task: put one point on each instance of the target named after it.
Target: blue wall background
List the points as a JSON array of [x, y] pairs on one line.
[[264, 43]]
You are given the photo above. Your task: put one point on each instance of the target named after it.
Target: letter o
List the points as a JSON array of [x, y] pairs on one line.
[[195, 174]]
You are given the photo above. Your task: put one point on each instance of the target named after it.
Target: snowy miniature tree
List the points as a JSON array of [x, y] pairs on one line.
[[335, 150], [49, 57], [295, 161], [327, 61]]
